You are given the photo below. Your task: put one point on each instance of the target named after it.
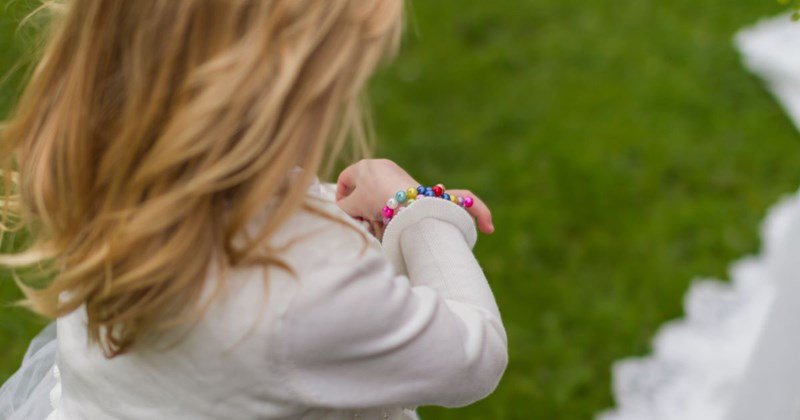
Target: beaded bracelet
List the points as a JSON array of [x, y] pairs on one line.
[[403, 199]]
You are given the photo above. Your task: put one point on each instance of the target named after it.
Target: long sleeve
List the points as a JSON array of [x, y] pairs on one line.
[[363, 336], [436, 255]]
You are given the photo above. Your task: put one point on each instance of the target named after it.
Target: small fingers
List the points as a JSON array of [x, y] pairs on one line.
[[346, 182], [479, 210]]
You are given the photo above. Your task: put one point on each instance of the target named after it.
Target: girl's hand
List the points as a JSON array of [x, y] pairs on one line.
[[364, 187]]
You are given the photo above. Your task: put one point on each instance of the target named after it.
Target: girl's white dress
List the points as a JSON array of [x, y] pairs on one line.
[[364, 331], [736, 354]]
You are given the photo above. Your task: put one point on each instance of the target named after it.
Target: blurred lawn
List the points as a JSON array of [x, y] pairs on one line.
[[623, 150]]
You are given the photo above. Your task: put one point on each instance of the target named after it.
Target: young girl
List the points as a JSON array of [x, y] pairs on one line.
[[163, 158]]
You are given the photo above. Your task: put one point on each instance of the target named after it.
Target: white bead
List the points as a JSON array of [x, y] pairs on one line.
[[392, 203]]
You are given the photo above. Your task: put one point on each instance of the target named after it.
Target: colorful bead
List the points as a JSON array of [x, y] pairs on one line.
[[404, 198]]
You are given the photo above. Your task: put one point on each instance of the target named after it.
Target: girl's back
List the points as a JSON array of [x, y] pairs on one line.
[[228, 365]]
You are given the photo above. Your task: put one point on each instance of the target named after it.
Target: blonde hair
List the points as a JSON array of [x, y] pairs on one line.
[[152, 131]]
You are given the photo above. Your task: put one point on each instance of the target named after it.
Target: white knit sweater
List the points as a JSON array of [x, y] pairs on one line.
[[363, 331]]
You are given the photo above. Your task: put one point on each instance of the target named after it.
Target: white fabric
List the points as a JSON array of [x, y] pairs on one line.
[[346, 338], [425, 208], [770, 386], [734, 356], [698, 362], [771, 49], [26, 395]]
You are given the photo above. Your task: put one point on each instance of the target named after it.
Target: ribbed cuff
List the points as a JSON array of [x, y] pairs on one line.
[[422, 209]]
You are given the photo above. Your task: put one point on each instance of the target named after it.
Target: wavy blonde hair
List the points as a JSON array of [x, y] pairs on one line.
[[152, 131]]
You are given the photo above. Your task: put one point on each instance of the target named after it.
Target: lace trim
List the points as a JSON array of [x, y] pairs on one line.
[[697, 361]]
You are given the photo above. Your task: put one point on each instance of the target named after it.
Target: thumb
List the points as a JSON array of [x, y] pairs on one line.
[[346, 182], [349, 204]]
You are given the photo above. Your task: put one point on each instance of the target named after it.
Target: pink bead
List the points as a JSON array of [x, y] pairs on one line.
[[468, 202], [388, 212]]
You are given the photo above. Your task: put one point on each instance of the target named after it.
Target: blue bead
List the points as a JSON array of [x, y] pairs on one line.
[[421, 189], [446, 196], [429, 189], [401, 196], [429, 193]]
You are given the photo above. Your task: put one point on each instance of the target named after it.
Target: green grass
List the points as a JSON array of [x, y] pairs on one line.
[[623, 150]]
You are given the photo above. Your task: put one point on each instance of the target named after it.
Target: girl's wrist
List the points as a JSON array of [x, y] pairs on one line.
[[403, 199]]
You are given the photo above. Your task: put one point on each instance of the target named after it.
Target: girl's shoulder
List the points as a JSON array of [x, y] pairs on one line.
[[320, 233]]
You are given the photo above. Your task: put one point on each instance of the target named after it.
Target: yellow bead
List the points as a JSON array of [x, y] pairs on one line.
[[412, 193], [454, 199]]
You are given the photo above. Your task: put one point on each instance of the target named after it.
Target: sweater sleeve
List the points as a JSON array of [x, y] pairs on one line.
[[362, 336], [433, 247]]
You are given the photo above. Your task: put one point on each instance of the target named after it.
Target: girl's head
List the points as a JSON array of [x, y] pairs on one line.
[[152, 131]]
